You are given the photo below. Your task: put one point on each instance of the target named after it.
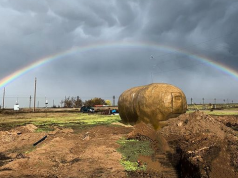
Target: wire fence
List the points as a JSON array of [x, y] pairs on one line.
[[40, 102]]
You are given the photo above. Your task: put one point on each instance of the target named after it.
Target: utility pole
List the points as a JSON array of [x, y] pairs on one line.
[[191, 100], [53, 103], [114, 100], [3, 99], [35, 97], [203, 101], [215, 102], [30, 102]]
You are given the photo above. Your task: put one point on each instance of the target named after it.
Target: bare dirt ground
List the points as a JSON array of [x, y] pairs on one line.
[[90, 153], [192, 145]]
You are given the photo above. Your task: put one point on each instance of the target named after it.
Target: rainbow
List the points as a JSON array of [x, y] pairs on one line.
[[219, 66]]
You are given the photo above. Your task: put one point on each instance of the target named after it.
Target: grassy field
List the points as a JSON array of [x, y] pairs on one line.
[[218, 112], [209, 106], [218, 109], [46, 121]]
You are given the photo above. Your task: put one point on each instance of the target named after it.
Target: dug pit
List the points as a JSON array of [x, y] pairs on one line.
[[192, 145]]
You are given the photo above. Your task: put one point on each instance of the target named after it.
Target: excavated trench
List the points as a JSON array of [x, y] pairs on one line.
[[181, 162], [204, 146], [192, 145], [182, 165]]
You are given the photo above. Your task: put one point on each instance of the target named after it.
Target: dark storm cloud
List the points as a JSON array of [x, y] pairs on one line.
[[25, 6], [31, 30], [202, 27], [192, 22]]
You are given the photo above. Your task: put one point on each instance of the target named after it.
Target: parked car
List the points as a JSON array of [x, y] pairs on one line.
[[86, 109]]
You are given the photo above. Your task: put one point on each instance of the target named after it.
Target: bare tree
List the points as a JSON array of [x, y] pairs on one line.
[[70, 102]]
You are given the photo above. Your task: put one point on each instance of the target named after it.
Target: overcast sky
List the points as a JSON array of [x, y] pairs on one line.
[[32, 29]]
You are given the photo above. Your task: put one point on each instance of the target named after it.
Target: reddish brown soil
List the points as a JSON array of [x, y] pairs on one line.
[[91, 153], [192, 145], [206, 146]]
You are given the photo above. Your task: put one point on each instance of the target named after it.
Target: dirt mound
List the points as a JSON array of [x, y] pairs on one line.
[[14, 134], [206, 147], [229, 121], [26, 129], [192, 145]]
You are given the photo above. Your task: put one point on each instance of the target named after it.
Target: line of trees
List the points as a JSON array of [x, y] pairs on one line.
[[71, 102], [76, 102]]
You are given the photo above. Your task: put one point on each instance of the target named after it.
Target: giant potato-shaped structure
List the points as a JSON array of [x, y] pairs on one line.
[[151, 104]]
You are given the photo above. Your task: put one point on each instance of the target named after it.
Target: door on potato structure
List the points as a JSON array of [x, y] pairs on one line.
[[177, 103]]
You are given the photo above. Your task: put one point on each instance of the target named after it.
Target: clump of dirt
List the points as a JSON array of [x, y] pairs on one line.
[[229, 121], [26, 129]]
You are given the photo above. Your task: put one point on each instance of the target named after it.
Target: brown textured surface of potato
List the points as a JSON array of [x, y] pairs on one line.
[[151, 104]]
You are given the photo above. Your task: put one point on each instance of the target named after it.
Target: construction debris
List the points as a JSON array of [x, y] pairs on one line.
[[40, 140]]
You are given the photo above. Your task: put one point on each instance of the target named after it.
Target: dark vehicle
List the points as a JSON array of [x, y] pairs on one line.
[[86, 109]]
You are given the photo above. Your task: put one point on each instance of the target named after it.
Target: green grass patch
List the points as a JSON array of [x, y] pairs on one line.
[[76, 119], [46, 122], [131, 150], [44, 129], [77, 123], [222, 113], [31, 149], [132, 166]]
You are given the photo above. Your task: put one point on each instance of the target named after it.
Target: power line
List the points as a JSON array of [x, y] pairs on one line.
[[30, 102]]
